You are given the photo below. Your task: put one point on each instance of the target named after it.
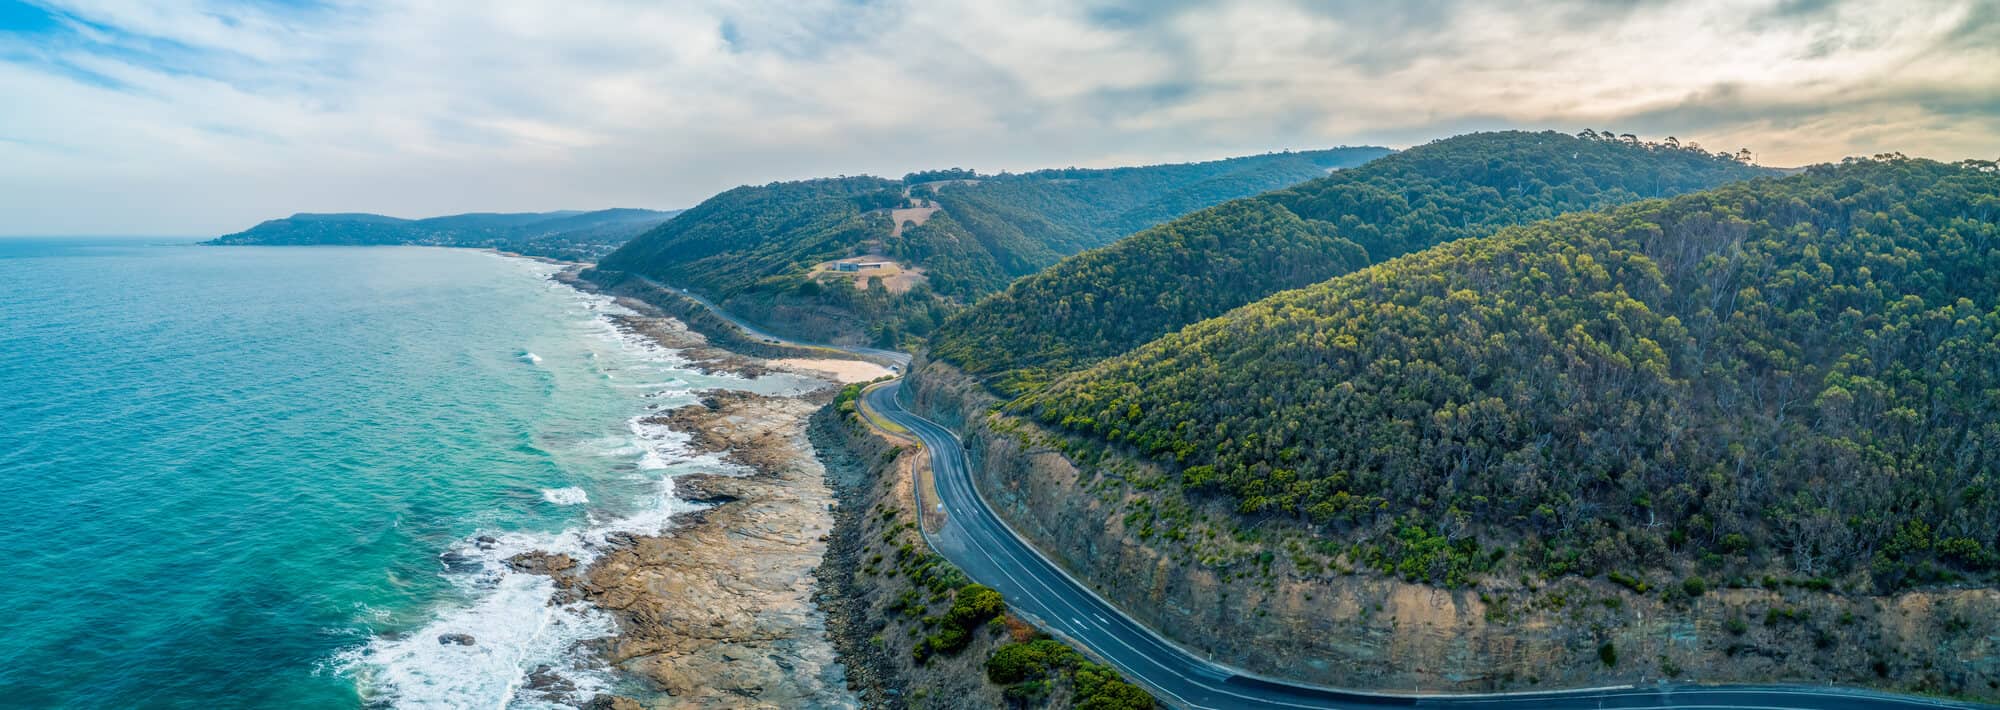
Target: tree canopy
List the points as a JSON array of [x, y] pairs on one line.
[[1798, 374], [1107, 301], [580, 236], [752, 247]]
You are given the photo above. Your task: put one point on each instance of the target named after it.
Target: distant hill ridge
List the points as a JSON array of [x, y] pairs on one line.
[[1104, 302], [754, 248], [565, 234]]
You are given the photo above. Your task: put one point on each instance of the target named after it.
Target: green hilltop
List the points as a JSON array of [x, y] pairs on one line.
[[952, 236], [571, 235], [1106, 301], [1798, 375]]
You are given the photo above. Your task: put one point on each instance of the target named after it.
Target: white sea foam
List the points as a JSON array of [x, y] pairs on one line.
[[658, 444], [565, 496], [514, 628], [614, 447], [511, 616]]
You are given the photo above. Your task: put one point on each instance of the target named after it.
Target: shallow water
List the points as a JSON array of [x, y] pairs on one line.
[[257, 477]]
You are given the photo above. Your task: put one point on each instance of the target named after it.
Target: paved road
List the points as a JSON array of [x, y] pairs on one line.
[[984, 546], [980, 543], [900, 359]]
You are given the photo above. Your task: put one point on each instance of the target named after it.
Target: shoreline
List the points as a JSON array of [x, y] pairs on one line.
[[717, 609]]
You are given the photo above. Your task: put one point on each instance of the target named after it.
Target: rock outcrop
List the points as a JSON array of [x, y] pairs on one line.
[[717, 610]]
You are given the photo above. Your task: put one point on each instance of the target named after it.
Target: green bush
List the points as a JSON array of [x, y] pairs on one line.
[[844, 402], [1630, 582], [1016, 662], [1030, 693], [949, 639], [1028, 668], [973, 605], [1100, 688]]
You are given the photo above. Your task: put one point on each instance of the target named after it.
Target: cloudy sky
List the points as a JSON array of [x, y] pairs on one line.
[[199, 117]]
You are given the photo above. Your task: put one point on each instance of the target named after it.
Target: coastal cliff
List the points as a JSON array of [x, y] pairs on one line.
[[1263, 599]]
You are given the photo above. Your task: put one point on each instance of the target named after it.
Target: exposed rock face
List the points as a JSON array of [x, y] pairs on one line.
[[612, 702], [539, 562], [545, 680], [1365, 630], [718, 612]]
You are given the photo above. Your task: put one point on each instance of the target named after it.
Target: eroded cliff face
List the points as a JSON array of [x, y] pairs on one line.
[[1251, 596]]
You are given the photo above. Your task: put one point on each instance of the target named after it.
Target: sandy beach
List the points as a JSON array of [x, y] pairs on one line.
[[842, 371]]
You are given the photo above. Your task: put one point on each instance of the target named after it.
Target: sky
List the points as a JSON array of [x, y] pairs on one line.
[[201, 117]]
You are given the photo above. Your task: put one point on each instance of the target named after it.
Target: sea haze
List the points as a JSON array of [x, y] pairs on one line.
[[259, 477]]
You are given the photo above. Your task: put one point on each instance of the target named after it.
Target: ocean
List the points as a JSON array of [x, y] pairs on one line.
[[276, 476]]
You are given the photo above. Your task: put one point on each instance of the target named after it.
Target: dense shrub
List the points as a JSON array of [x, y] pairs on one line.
[[1104, 302], [1800, 372]]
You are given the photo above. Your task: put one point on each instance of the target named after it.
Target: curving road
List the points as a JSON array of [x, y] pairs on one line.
[[900, 359], [989, 551]]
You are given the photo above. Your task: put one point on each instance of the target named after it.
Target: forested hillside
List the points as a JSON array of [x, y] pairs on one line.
[[962, 235], [1103, 301], [1108, 301], [579, 236], [1795, 376], [731, 240]]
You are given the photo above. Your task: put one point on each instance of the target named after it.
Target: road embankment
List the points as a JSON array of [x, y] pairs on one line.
[[879, 580], [1268, 599]]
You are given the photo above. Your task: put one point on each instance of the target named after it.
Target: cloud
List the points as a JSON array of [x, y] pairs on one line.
[[140, 117]]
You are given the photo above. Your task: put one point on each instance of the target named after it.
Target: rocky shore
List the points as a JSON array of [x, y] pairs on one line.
[[717, 610], [803, 581]]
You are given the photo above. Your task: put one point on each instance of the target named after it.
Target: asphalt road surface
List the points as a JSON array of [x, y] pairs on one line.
[[981, 544], [976, 540], [900, 359]]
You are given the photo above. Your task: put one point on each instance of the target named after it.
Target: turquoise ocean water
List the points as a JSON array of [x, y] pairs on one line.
[[259, 477]]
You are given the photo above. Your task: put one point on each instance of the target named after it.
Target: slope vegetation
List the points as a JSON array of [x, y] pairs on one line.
[[1793, 376], [1107, 301], [579, 236], [754, 248]]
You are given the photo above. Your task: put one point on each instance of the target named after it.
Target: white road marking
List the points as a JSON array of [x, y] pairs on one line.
[[963, 485]]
